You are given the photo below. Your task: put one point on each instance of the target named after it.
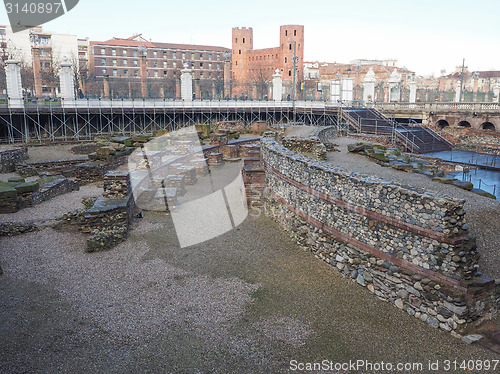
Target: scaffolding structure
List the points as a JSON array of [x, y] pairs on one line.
[[85, 119]]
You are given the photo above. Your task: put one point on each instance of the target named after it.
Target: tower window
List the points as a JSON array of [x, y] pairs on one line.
[[243, 40], [294, 32], [239, 52], [236, 40], [286, 60], [286, 32], [289, 73], [290, 47]]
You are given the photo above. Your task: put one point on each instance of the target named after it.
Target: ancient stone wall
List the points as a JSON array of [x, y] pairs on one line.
[[407, 246], [10, 157]]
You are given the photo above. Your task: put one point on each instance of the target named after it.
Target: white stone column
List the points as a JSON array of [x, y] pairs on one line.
[[496, 92], [369, 86], [335, 91], [394, 86], [413, 92], [458, 92], [14, 86], [277, 86], [347, 88], [186, 84], [67, 83]]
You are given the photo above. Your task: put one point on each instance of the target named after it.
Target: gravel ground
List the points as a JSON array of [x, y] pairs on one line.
[[483, 214], [54, 208], [51, 152], [248, 301]]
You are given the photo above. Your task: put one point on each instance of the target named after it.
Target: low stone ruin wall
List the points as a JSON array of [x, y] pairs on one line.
[[81, 170], [10, 157], [13, 228], [108, 219], [316, 145], [407, 246]]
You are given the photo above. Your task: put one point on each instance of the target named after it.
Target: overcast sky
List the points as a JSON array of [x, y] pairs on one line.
[[425, 36]]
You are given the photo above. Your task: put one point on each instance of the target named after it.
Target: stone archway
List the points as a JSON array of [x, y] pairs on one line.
[[442, 123], [488, 126], [464, 124]]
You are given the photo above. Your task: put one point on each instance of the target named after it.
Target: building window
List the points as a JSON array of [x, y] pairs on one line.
[[209, 56], [135, 53], [286, 60], [125, 72], [239, 52], [290, 47], [114, 62], [103, 71], [243, 40], [103, 51], [236, 40], [289, 73], [286, 32], [294, 32], [183, 55], [155, 73], [218, 66], [113, 52], [155, 54], [192, 56], [164, 64], [174, 64], [135, 73], [115, 72], [135, 62], [173, 54], [125, 62], [210, 65], [201, 64], [103, 61], [124, 52], [236, 63], [155, 64], [218, 57], [201, 74]]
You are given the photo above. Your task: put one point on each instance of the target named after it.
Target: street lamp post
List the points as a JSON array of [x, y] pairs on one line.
[[295, 60]]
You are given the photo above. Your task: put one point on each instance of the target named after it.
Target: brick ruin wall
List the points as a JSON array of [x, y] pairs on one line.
[[407, 246]]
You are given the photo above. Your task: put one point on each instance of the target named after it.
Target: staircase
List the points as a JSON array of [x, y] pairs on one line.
[[413, 137]]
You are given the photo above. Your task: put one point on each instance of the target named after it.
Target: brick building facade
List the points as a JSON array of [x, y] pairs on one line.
[[252, 68]]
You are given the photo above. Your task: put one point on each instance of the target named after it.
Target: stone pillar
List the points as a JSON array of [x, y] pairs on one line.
[[186, 84], [106, 87], [335, 91], [144, 78], [14, 86], [458, 92], [37, 74], [413, 92], [227, 79], [496, 92], [67, 82], [277, 86], [347, 85], [369, 86], [394, 87]]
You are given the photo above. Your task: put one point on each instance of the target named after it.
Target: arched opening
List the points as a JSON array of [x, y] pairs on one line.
[[488, 126], [442, 124], [464, 124]]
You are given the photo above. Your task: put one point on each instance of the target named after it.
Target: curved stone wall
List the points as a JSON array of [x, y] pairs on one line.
[[408, 246]]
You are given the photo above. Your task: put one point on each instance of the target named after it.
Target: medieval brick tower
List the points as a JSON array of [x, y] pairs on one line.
[[291, 38], [241, 44], [251, 66]]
